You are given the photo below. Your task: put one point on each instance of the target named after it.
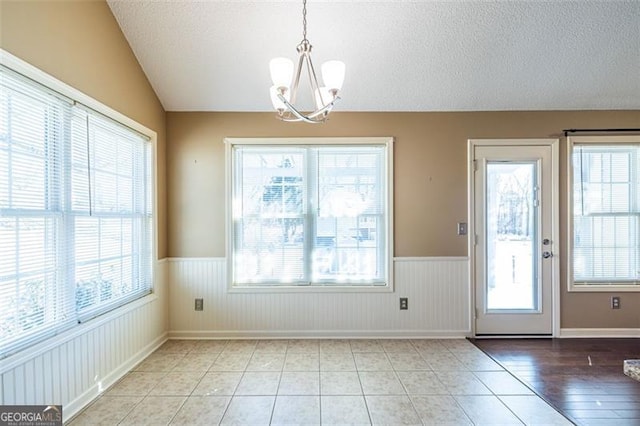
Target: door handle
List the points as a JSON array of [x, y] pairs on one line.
[[547, 254], [546, 242]]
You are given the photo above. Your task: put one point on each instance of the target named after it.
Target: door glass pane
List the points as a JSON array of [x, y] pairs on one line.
[[511, 236]]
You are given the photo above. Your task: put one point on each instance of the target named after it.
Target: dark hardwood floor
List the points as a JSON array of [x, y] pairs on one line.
[[582, 378]]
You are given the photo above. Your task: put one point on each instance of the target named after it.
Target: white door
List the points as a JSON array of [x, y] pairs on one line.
[[514, 222]]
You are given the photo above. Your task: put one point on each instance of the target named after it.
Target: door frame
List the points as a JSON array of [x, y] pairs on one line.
[[554, 143]]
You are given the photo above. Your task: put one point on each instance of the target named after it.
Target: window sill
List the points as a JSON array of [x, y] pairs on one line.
[[311, 289], [604, 288]]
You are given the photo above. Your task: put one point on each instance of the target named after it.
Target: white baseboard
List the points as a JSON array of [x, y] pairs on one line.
[[74, 407], [599, 332], [318, 334]]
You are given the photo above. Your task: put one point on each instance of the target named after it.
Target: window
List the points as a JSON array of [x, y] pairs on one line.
[[605, 237], [309, 212], [75, 213]]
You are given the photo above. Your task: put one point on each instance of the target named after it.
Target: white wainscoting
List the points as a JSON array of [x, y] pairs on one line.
[[73, 368], [437, 289]]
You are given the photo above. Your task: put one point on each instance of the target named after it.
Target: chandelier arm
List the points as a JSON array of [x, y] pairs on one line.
[[310, 118], [328, 107], [307, 118], [324, 110], [292, 110], [313, 80], [296, 80], [298, 120]]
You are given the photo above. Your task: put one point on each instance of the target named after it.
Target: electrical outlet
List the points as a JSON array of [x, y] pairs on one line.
[[199, 304], [615, 302], [404, 303]]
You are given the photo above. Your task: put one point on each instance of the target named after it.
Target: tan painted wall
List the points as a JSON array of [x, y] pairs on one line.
[[80, 43], [430, 180]]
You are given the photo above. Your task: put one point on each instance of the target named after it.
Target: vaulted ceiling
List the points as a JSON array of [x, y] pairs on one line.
[[456, 55]]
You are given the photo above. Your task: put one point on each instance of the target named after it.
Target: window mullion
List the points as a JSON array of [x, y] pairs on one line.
[[66, 271], [311, 206], [381, 224], [236, 195], [634, 220], [16, 221], [10, 150], [136, 222], [52, 306]]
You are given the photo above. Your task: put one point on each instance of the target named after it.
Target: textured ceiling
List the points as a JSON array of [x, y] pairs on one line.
[[400, 55]]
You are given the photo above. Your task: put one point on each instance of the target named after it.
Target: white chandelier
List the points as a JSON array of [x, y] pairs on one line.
[[285, 85]]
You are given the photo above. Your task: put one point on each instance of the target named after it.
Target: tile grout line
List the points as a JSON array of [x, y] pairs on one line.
[[407, 390], [228, 403], [190, 393], [364, 397], [467, 415]]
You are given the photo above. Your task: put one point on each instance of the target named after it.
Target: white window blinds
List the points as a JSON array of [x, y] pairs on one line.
[[606, 214], [310, 215], [34, 300], [75, 213], [111, 211]]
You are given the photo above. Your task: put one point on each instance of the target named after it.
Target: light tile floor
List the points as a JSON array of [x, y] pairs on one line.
[[430, 382]]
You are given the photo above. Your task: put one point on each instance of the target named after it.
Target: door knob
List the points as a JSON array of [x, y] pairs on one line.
[[547, 254], [545, 242]]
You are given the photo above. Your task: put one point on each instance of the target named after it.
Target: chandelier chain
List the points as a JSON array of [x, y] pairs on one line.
[[304, 20]]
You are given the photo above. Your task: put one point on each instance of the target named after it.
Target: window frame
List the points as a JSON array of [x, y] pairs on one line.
[[586, 286], [386, 142], [81, 100]]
